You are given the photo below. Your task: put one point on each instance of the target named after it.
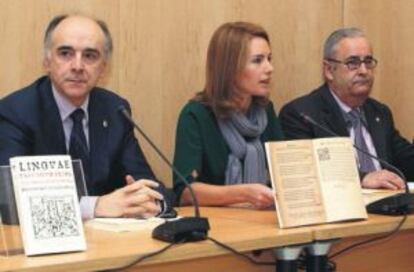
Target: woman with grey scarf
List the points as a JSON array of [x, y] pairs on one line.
[[221, 131]]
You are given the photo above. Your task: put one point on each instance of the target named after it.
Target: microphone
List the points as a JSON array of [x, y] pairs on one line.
[[183, 229], [398, 204]]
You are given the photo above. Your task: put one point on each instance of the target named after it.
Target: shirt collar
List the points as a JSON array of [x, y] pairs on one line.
[[344, 107], [66, 107]]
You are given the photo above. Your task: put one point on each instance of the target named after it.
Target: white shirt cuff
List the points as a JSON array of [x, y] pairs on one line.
[[87, 207]]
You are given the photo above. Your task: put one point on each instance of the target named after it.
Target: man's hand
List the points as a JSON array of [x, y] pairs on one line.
[[383, 179], [136, 199]]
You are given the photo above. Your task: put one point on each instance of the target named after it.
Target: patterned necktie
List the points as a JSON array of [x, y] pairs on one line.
[[78, 148], [365, 162]]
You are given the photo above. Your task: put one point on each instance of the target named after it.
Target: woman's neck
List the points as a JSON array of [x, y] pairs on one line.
[[244, 103]]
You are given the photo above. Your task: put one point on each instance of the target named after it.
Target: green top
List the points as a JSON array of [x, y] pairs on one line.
[[200, 147]]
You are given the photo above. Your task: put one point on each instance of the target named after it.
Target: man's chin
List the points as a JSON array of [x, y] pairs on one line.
[[76, 95], [361, 95], [75, 85], [362, 90]]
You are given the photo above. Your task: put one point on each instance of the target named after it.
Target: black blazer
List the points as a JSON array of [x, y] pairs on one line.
[[322, 107], [30, 124]]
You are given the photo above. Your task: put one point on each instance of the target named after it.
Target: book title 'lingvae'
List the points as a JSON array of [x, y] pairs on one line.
[[33, 166]]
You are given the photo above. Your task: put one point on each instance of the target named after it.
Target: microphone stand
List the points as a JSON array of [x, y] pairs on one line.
[[183, 229]]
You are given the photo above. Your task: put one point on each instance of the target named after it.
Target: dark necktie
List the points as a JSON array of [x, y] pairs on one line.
[[78, 148], [365, 162]]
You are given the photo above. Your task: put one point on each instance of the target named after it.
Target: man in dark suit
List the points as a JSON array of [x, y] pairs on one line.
[[343, 106], [65, 113]]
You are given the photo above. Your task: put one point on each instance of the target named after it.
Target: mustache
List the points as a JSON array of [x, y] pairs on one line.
[[362, 80]]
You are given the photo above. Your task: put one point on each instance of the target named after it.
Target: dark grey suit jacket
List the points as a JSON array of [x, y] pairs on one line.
[[322, 107]]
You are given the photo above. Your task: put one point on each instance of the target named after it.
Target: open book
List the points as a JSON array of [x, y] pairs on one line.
[[315, 181]]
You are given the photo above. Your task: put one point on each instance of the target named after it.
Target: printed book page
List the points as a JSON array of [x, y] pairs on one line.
[[340, 184], [47, 204], [295, 182]]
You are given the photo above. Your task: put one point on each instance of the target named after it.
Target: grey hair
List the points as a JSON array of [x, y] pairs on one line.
[[336, 37], [47, 41]]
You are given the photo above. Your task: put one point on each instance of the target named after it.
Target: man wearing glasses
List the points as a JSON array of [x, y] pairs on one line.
[[343, 106]]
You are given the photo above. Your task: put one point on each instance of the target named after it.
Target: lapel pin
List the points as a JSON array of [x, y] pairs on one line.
[[105, 123], [377, 119]]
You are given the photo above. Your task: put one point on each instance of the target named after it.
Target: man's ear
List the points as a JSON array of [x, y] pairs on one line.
[[46, 61], [328, 68]]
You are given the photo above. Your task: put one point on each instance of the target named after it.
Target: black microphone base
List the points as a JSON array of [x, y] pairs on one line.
[[398, 204], [182, 230]]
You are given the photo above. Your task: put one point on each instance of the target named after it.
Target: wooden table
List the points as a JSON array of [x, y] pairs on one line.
[[394, 254], [242, 229]]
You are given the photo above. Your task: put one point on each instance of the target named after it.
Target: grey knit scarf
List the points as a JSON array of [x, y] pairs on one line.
[[246, 162]]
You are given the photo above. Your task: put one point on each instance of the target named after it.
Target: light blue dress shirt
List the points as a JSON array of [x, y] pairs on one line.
[[365, 134], [87, 203]]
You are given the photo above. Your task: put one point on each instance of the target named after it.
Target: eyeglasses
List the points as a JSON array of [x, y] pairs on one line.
[[353, 63]]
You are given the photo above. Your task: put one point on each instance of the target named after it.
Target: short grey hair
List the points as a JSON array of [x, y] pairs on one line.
[[337, 36], [47, 41]]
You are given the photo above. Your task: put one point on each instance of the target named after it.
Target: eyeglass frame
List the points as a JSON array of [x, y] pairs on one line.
[[366, 60]]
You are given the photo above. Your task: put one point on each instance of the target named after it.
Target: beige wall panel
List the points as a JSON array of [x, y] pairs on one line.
[[22, 24], [20, 52], [390, 27]]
